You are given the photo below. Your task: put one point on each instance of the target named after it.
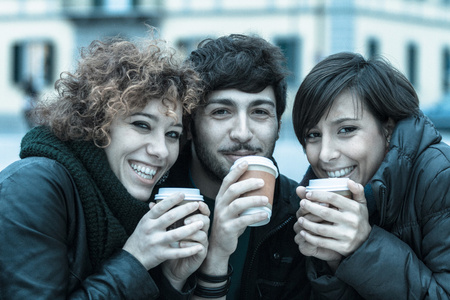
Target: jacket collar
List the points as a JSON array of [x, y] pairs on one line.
[[410, 138]]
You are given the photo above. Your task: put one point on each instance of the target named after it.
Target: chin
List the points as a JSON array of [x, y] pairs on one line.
[[142, 195]]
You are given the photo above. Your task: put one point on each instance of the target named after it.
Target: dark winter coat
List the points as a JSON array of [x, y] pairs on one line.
[[274, 267], [407, 254], [61, 235]]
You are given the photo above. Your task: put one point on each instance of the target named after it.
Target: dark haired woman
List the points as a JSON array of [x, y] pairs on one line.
[[360, 119]]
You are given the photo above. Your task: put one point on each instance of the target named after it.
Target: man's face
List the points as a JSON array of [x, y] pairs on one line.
[[234, 124]]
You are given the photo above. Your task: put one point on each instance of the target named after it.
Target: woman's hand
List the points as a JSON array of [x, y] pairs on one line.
[[338, 225], [178, 270], [306, 248], [150, 243]]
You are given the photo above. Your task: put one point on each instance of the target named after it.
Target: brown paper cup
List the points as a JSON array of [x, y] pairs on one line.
[[259, 167]]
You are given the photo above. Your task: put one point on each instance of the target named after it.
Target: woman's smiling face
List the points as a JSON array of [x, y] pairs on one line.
[[348, 141], [144, 145]]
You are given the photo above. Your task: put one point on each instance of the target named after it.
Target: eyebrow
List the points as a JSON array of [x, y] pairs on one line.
[[344, 119], [154, 118], [231, 102]]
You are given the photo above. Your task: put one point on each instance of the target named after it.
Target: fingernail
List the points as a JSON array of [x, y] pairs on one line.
[[242, 165]]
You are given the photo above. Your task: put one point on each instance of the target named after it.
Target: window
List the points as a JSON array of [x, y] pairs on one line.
[[115, 5], [33, 61], [373, 48], [411, 56], [291, 49], [446, 70]]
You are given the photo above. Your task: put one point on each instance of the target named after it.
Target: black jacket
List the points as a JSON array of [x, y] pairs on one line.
[[43, 247], [407, 254], [274, 267]]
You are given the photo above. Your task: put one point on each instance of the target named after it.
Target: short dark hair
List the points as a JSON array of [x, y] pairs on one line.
[[384, 91], [243, 62]]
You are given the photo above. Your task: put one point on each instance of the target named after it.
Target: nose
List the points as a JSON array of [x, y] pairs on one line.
[[156, 146], [241, 131], [329, 149]]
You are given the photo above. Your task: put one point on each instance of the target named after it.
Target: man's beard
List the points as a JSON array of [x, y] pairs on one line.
[[212, 166], [214, 169]]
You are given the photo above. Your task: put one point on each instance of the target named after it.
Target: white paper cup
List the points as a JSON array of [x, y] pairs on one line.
[[259, 167], [190, 195], [335, 185]]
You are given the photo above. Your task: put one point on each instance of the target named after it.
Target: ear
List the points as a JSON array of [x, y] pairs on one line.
[[189, 127], [388, 128], [279, 129]]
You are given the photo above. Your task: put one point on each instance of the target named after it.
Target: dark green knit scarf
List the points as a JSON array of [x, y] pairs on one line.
[[110, 212]]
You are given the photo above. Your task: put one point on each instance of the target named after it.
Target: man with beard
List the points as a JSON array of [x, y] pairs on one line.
[[243, 101]]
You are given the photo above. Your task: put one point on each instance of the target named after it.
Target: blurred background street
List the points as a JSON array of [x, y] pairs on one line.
[[42, 38]]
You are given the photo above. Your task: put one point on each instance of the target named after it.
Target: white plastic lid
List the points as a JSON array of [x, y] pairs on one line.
[[256, 160], [189, 193], [254, 210], [328, 184]]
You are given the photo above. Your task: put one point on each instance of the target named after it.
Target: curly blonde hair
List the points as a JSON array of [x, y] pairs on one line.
[[117, 77]]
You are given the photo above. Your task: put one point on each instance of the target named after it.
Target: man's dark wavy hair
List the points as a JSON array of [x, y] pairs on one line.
[[243, 62]]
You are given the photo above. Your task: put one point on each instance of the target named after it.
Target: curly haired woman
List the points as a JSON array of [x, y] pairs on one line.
[[75, 217]]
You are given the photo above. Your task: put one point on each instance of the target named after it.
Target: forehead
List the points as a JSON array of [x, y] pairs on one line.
[[240, 98], [346, 104], [160, 109]]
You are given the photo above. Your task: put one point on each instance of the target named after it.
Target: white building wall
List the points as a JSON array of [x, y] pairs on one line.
[[394, 36], [328, 26], [322, 27], [57, 31]]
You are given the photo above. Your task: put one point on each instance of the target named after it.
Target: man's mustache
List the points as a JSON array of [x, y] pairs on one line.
[[240, 147]]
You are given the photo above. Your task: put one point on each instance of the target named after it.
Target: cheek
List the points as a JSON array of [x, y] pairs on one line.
[[269, 134], [111, 155], [174, 150], [312, 154], [210, 133]]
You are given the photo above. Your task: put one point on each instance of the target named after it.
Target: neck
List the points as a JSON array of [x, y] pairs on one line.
[[207, 185]]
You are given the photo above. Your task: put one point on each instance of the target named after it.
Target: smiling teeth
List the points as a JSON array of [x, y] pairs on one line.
[[144, 172], [340, 173]]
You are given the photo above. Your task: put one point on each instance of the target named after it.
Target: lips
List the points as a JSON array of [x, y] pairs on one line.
[[143, 171], [233, 156], [340, 173]]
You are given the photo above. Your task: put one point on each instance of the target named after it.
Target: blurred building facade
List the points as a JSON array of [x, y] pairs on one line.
[[41, 37]]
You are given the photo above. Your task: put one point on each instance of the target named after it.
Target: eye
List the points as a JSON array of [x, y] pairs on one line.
[[220, 111], [174, 135], [312, 137], [141, 125], [260, 112], [347, 130]]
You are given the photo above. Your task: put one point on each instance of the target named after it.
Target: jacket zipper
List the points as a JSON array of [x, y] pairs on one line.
[[271, 233], [382, 195]]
